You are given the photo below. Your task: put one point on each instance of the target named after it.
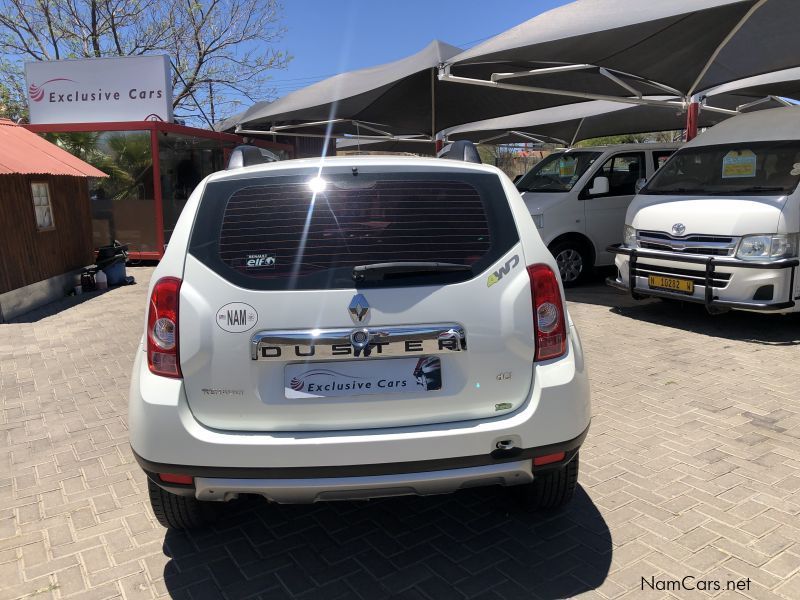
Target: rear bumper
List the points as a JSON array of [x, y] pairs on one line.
[[745, 278], [305, 491], [166, 437], [312, 484]]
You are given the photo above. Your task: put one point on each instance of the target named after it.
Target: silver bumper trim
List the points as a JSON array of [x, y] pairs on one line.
[[305, 491]]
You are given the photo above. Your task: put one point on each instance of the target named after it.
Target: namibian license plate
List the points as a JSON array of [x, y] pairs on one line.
[[363, 377], [672, 284]]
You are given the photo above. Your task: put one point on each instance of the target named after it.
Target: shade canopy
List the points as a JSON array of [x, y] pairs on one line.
[[404, 85], [404, 97], [572, 123], [685, 45], [784, 83]]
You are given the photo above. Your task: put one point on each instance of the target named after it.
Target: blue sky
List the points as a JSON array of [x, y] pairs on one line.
[[331, 36]]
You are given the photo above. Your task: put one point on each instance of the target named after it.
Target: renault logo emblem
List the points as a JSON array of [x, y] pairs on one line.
[[678, 228], [359, 308]]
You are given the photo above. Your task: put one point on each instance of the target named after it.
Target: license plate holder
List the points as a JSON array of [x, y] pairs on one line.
[[420, 374], [671, 284]]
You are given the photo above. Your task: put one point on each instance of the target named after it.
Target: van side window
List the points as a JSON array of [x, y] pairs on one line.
[[623, 171], [660, 157]]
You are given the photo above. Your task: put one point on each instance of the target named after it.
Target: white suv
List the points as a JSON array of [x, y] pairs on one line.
[[365, 327]]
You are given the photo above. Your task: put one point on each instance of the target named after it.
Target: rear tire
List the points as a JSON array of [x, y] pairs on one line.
[[552, 490], [180, 512], [573, 261]]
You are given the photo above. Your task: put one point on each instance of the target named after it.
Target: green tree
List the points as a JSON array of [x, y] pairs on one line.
[[632, 138], [123, 156], [12, 104]]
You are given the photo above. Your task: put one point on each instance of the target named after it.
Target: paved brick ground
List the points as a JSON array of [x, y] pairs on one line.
[[692, 467]]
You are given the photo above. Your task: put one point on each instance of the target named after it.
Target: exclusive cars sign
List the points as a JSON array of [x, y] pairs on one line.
[[131, 88]]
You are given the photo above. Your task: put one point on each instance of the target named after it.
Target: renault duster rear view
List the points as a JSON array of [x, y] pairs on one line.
[[359, 328]]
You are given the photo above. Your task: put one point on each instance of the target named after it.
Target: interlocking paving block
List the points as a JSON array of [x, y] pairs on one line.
[[691, 467]]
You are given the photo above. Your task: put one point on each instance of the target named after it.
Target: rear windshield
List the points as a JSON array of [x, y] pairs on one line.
[[747, 168], [309, 232]]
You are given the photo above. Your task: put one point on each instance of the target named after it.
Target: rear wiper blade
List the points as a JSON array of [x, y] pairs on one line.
[[757, 188], [379, 271]]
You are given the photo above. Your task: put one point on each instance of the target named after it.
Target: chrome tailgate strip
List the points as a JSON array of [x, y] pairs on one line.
[[343, 344]]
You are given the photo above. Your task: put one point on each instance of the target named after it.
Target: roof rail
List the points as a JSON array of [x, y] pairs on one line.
[[247, 156], [460, 150]]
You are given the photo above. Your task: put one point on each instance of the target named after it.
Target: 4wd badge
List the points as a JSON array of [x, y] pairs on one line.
[[237, 317], [498, 275]]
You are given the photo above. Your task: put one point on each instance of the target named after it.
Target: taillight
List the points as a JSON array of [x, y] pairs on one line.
[[162, 328], [548, 313]]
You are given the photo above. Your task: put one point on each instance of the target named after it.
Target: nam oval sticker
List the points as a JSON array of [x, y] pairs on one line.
[[237, 317]]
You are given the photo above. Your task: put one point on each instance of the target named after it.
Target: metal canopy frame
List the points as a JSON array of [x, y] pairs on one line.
[[497, 81], [526, 137], [379, 131], [769, 98]]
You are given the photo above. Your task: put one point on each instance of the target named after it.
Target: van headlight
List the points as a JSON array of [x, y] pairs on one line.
[[539, 220], [629, 236], [768, 247]]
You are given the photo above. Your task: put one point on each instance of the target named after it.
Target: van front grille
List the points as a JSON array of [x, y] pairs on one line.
[[705, 245]]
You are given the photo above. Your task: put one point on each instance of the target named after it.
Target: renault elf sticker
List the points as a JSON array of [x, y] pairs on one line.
[[255, 261]]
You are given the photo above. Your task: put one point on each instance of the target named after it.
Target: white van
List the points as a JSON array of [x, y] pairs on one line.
[[719, 223], [578, 198]]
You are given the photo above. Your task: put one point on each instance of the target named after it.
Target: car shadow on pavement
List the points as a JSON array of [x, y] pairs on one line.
[[467, 544], [53, 308], [756, 328]]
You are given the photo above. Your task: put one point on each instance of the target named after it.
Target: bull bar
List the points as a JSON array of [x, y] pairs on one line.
[[710, 263]]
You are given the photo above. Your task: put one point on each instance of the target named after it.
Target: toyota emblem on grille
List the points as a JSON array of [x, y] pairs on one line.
[[678, 228], [359, 308]]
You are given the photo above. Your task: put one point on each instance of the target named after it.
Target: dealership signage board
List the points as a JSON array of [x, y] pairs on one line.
[[130, 88]]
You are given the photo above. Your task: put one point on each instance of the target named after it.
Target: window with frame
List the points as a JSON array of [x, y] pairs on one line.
[[41, 205], [623, 171], [660, 157]]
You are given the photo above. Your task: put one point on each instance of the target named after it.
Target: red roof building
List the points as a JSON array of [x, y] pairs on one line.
[[46, 224], [25, 153]]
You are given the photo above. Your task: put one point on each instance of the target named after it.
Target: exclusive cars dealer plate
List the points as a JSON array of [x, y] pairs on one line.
[[673, 284], [360, 378]]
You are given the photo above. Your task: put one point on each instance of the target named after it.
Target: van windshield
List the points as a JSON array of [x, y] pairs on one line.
[[749, 168], [557, 172]]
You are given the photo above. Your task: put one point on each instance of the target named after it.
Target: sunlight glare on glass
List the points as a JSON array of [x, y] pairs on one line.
[[317, 185]]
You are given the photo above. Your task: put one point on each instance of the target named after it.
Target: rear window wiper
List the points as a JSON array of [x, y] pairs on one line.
[[379, 271], [758, 188]]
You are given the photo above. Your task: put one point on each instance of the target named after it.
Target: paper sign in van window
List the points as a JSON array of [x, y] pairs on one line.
[[739, 163], [566, 167]]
